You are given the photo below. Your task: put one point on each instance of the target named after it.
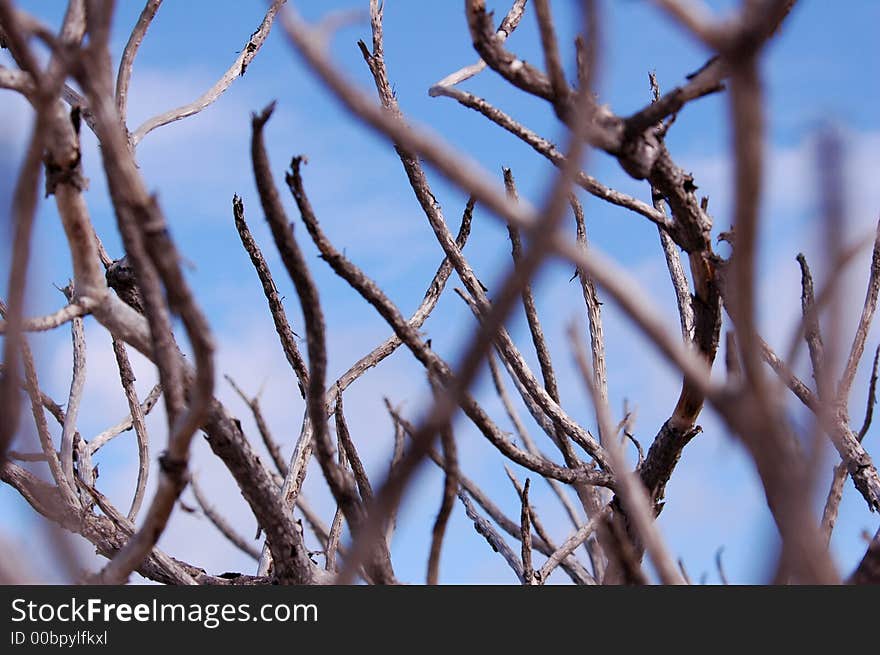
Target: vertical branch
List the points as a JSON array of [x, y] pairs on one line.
[[594, 307], [840, 473], [550, 45], [528, 301], [157, 267], [123, 77], [670, 249], [344, 439], [812, 333], [262, 427], [632, 493], [340, 484], [865, 320], [495, 540], [338, 516], [24, 204], [32, 386], [77, 384], [526, 532], [285, 334], [138, 422], [450, 488]]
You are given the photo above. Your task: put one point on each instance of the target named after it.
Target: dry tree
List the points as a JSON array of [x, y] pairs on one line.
[[612, 505]]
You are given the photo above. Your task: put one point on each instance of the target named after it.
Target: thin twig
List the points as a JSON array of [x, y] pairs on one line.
[[123, 76], [336, 524], [495, 540], [526, 539], [861, 336], [719, 564], [450, 489], [262, 427], [220, 523], [510, 22], [246, 56], [138, 422], [127, 423], [51, 321], [341, 485], [279, 317], [74, 399], [630, 490], [571, 544]]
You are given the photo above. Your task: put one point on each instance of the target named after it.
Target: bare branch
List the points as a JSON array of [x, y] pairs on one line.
[[238, 68], [77, 385], [345, 441], [631, 492], [127, 423], [450, 489], [495, 540], [570, 545], [870, 306], [262, 427], [510, 23], [285, 334], [526, 539], [340, 484], [123, 76], [138, 422], [220, 523], [51, 321]]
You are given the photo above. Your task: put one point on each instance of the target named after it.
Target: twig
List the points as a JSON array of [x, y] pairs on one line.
[[672, 255], [550, 46], [246, 56], [417, 318], [540, 542], [77, 385], [534, 520], [340, 484], [345, 441], [684, 573], [872, 398], [262, 427], [526, 538], [63, 483], [793, 382], [594, 307], [812, 333], [51, 321], [138, 422], [861, 336], [630, 490], [546, 149], [127, 423], [840, 473], [123, 76], [528, 301], [450, 489], [220, 523], [510, 22], [279, 317], [571, 544], [527, 440], [720, 566], [496, 541]]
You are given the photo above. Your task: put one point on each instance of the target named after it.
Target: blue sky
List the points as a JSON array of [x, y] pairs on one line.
[[822, 69]]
